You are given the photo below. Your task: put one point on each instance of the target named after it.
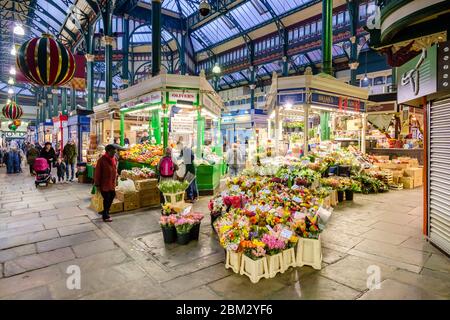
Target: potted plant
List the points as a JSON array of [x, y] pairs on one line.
[[167, 224], [344, 185], [195, 231], [183, 227], [354, 187]]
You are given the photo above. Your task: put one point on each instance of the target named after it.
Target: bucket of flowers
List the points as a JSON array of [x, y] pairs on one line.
[[167, 224], [274, 248], [254, 261], [173, 191], [183, 226], [309, 249], [195, 231]]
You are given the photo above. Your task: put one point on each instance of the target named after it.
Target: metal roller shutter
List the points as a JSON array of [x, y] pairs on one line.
[[439, 175]]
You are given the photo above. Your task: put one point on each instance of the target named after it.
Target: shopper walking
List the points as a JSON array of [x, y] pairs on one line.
[[49, 154], [70, 158], [166, 167], [2, 154], [32, 154], [188, 158], [12, 160], [145, 138], [105, 179], [234, 160]]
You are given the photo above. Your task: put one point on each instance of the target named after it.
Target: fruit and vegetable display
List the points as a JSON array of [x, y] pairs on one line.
[[138, 174], [209, 157], [173, 186], [143, 153]]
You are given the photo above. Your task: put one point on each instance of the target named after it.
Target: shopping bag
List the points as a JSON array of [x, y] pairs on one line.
[[189, 177], [94, 189], [126, 186]]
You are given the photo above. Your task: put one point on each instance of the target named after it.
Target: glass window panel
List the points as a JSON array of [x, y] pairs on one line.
[[301, 33], [307, 29], [362, 11], [313, 27], [340, 19], [334, 19], [319, 26]]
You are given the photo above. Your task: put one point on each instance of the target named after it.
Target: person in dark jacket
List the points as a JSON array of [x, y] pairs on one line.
[[105, 179], [188, 157], [12, 160], [70, 158], [60, 169], [32, 154], [48, 153]]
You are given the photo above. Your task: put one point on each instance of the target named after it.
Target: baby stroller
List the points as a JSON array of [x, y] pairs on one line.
[[43, 172]]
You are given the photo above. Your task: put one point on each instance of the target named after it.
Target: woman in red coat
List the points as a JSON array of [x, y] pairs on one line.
[[105, 179]]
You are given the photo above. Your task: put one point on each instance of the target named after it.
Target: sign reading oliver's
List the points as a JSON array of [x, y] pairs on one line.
[[417, 77]]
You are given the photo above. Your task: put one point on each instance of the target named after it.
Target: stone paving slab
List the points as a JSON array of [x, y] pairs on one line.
[[67, 241], [13, 253], [391, 289], [201, 293], [74, 229], [38, 293], [37, 261], [438, 262], [54, 223], [27, 238], [21, 231], [93, 247]]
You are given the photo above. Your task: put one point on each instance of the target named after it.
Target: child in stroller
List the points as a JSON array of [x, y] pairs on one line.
[[43, 172]]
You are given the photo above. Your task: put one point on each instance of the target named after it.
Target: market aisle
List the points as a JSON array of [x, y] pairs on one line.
[[44, 231]]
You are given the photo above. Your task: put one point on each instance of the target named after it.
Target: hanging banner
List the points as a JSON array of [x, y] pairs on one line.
[[182, 124], [340, 103], [292, 98], [417, 77]]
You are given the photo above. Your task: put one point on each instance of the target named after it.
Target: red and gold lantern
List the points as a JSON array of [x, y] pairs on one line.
[[17, 122], [45, 61], [12, 111]]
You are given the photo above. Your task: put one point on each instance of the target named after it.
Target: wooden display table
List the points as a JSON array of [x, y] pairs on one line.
[[397, 152]]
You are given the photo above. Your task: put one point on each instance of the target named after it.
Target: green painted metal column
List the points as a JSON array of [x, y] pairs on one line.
[[122, 128], [125, 48], [55, 101], [107, 12], [156, 126], [165, 127], [353, 8], [73, 99], [198, 152], [252, 89], [89, 81], [327, 36], [324, 126], [156, 38], [183, 53], [219, 147], [64, 100]]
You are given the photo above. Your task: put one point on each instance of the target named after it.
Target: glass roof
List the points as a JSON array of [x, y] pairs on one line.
[[183, 7], [244, 17], [144, 35]]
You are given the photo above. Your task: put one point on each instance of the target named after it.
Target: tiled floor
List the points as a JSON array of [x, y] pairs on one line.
[[44, 231]]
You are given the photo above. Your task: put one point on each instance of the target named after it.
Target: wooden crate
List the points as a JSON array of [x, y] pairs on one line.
[[131, 205], [149, 198], [147, 184], [97, 204], [127, 196]]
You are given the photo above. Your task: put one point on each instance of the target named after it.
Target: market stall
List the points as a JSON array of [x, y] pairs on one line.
[[59, 132], [317, 101], [179, 108], [45, 132], [79, 130]]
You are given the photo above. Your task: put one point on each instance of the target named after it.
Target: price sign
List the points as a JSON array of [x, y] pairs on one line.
[[286, 233], [299, 215], [187, 211], [297, 199]]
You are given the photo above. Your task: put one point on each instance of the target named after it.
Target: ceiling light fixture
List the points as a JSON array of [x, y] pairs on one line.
[[10, 91], [10, 81], [18, 29], [100, 100], [12, 71], [216, 69], [13, 51]]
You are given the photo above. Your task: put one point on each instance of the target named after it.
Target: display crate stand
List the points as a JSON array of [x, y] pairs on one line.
[[233, 261], [309, 253], [254, 269], [275, 264], [289, 259], [175, 199]]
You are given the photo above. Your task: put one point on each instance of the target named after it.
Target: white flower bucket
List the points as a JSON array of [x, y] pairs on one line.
[[275, 263], [289, 259], [333, 198], [309, 253], [254, 269], [233, 261], [175, 199]]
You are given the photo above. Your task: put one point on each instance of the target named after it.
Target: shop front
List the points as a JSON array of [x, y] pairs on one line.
[[78, 131], [60, 133], [45, 132]]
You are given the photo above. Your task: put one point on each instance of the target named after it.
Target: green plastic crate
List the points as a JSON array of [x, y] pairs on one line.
[[208, 176]]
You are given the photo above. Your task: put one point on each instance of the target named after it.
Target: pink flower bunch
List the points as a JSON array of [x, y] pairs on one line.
[[259, 252], [168, 221], [182, 221], [234, 201], [197, 217], [274, 245]]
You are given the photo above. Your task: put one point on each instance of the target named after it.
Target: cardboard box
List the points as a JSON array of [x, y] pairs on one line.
[[97, 204], [127, 196], [146, 184], [414, 163], [149, 197], [131, 205], [416, 174], [408, 182]]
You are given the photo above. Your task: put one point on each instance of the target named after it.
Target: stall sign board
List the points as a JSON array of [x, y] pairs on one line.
[[182, 125], [443, 73], [210, 105], [341, 103], [73, 120], [418, 77], [186, 97], [292, 98], [386, 107], [152, 98], [237, 119]]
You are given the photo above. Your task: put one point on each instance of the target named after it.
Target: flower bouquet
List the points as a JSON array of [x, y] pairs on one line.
[[183, 227], [167, 224]]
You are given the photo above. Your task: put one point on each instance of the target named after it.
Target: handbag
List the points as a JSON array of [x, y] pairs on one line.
[[94, 189]]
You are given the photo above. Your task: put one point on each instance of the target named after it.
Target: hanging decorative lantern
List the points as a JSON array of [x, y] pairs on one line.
[[45, 61], [12, 127], [17, 122], [12, 111]]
